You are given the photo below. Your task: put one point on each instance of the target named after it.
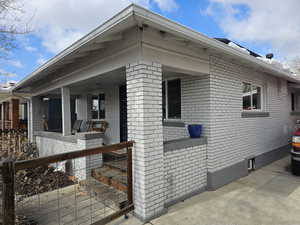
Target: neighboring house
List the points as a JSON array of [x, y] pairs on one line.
[[13, 109], [150, 77]]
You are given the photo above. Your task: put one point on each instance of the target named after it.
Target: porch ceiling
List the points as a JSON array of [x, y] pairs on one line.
[[113, 78], [110, 79]]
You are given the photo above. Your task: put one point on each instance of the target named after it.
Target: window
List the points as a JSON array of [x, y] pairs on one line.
[[293, 101], [171, 99], [252, 97], [98, 107], [23, 111]]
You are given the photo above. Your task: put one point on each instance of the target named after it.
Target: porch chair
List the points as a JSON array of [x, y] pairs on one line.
[[85, 126], [76, 126]]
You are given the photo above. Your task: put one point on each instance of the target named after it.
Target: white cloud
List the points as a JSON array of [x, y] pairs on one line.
[[167, 5], [41, 60], [5, 74], [267, 21], [60, 23], [14, 63], [30, 49]]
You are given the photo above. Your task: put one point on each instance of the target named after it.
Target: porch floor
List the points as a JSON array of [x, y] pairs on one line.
[[268, 196]]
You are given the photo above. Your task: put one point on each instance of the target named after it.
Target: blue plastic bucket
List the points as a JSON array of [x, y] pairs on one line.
[[195, 130]]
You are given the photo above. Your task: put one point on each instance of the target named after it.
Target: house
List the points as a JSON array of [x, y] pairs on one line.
[[150, 77], [13, 109]]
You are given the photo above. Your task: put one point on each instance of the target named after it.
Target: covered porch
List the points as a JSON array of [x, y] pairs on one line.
[[97, 108], [93, 111], [144, 102], [147, 84]]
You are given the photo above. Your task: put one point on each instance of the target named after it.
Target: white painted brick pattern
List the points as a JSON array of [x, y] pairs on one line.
[[185, 171], [194, 106], [232, 138], [144, 105], [172, 133], [81, 166]]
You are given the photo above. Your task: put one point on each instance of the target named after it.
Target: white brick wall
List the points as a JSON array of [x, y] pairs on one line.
[[233, 138], [194, 106], [144, 105], [81, 166], [185, 171], [172, 133]]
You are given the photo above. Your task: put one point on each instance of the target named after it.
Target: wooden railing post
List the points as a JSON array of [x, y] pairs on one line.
[[8, 206], [129, 176]]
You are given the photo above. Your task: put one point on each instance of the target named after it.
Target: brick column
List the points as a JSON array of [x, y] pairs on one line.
[[144, 108], [15, 113], [5, 115]]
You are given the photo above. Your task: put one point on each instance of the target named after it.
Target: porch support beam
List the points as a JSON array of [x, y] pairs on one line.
[[35, 111], [66, 111], [29, 120], [144, 105], [3, 115]]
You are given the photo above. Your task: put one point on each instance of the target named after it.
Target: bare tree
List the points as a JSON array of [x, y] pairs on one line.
[[12, 24]]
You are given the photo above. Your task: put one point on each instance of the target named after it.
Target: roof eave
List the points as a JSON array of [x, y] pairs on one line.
[[143, 15], [121, 16], [146, 15]]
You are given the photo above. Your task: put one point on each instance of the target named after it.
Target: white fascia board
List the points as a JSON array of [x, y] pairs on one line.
[[141, 15], [160, 22], [96, 33]]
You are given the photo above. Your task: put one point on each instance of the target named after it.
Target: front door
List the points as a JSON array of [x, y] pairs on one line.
[[55, 115], [123, 113]]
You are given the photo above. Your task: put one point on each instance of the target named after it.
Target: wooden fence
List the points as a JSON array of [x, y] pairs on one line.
[[10, 168]]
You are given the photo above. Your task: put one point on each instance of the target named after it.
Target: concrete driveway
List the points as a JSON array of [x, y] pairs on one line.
[[270, 195]]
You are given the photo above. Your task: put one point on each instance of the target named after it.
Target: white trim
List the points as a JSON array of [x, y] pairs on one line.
[[166, 99], [98, 114], [140, 15], [96, 33], [251, 98], [167, 103]]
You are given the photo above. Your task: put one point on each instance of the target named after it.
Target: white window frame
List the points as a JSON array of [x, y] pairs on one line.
[[251, 98], [295, 102], [98, 114], [167, 102]]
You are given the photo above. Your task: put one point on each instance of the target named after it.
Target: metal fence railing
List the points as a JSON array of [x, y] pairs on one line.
[[92, 186]]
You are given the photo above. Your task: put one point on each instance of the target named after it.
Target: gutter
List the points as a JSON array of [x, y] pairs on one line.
[[188, 33], [142, 15]]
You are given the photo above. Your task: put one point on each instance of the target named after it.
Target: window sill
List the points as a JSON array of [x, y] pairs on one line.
[[255, 114], [173, 123], [295, 113]]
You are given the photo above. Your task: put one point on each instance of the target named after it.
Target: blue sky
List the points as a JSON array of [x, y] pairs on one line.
[[251, 23]]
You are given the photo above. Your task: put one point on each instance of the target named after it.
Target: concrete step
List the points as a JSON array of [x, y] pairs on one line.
[[107, 194], [111, 176]]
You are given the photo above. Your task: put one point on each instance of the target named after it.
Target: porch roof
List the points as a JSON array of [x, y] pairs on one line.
[[135, 15], [7, 95]]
